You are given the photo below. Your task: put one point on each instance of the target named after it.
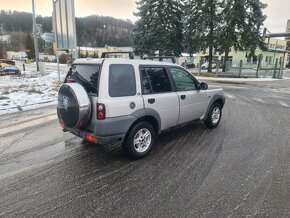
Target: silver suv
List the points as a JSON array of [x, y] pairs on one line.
[[132, 101]]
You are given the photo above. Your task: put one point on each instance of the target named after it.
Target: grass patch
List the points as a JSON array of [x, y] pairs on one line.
[[34, 91], [220, 75], [3, 97], [203, 74], [23, 86]]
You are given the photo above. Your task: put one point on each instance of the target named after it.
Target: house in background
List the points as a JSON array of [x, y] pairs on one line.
[[276, 50]]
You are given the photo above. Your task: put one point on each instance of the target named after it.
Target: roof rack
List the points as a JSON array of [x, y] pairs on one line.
[[112, 53], [160, 58]]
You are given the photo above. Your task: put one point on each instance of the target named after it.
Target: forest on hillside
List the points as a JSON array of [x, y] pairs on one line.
[[94, 31]]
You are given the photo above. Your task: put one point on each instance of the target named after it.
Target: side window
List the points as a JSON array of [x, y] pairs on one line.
[[122, 80], [155, 80], [183, 81]]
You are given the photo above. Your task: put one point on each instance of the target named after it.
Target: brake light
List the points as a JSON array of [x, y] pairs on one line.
[[101, 111], [61, 124], [91, 138]]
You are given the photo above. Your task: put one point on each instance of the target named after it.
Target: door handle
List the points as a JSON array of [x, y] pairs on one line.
[[151, 100], [183, 97]]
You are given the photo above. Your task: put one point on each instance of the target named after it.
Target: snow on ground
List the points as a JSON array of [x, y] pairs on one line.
[[28, 91]]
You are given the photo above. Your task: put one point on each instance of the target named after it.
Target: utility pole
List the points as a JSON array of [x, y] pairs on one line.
[[35, 37]]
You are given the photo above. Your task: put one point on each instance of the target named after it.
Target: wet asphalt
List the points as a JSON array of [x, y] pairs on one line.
[[240, 169]]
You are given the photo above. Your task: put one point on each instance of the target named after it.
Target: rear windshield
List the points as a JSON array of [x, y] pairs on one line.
[[86, 75]]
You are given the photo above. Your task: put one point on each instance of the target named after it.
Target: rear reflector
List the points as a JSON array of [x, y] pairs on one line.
[[61, 124], [91, 138]]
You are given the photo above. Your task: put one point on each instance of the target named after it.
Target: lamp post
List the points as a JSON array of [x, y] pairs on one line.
[[35, 37]]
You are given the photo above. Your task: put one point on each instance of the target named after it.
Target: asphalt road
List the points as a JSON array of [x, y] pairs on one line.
[[240, 169]]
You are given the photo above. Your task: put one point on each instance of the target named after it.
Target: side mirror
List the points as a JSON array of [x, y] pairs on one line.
[[203, 86]]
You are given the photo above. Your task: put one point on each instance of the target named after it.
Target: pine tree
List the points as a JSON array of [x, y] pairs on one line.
[[159, 27], [202, 26], [241, 24], [30, 46], [251, 36]]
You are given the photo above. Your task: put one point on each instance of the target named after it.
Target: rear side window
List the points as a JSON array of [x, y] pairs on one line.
[[122, 80], [155, 80]]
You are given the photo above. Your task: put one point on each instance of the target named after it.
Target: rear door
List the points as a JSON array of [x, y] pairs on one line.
[[192, 101], [158, 94]]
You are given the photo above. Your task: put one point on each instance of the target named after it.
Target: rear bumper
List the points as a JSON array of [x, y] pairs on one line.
[[103, 140], [105, 131]]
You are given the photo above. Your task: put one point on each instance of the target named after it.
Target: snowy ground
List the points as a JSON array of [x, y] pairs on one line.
[[31, 89]]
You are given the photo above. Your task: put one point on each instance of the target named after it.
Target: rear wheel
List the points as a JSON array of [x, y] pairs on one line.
[[214, 116], [139, 140]]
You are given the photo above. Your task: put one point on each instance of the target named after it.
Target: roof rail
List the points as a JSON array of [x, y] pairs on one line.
[[160, 58], [112, 53]]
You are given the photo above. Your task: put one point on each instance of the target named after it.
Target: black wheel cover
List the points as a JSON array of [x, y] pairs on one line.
[[68, 107]]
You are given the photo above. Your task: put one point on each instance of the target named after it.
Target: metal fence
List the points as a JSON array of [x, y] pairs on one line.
[[240, 69]]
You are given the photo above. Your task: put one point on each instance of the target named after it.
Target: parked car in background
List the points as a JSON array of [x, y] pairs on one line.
[[8, 67], [206, 64], [188, 65]]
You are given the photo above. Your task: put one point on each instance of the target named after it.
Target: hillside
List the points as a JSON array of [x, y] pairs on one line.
[[95, 31]]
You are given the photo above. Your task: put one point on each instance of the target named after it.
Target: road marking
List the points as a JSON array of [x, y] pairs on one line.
[[283, 104], [25, 125], [230, 96], [259, 100]]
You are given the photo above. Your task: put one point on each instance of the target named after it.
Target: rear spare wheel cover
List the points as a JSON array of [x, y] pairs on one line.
[[73, 105]]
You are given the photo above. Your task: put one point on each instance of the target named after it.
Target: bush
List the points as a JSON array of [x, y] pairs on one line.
[[64, 58]]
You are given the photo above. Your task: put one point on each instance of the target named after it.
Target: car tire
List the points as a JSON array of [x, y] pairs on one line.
[[214, 116], [139, 140]]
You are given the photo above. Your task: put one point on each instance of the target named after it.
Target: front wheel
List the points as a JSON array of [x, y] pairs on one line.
[[214, 116], [139, 141]]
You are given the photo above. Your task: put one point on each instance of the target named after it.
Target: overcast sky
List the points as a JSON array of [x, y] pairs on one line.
[[278, 11]]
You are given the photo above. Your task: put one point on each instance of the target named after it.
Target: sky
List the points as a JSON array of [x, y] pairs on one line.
[[278, 11]]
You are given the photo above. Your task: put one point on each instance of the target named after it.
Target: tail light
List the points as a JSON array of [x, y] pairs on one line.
[[61, 124], [91, 138], [101, 111]]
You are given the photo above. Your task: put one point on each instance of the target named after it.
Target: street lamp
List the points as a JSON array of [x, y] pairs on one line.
[[35, 36]]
